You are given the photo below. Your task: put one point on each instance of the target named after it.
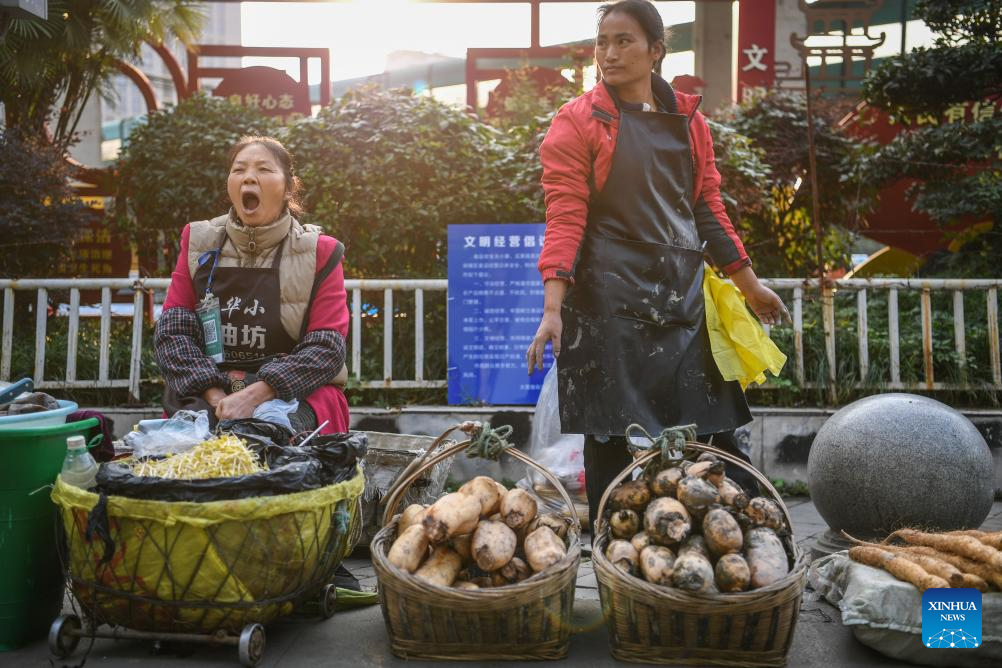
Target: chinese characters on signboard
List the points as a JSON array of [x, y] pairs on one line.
[[495, 303], [97, 253], [267, 90], [756, 57]]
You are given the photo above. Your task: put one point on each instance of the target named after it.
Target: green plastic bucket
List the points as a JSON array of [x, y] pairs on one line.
[[31, 580]]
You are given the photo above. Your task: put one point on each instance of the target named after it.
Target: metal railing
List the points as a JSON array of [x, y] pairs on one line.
[[798, 290]]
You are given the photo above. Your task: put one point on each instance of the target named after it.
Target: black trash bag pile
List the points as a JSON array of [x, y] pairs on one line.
[[325, 460], [251, 428]]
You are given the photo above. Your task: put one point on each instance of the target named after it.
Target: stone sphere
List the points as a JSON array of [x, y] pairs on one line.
[[900, 460]]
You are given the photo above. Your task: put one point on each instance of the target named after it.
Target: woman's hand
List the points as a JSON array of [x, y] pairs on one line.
[[550, 328], [213, 396], [766, 304], [243, 403]]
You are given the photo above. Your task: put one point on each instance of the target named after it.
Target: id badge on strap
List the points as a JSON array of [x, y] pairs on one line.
[[212, 323]]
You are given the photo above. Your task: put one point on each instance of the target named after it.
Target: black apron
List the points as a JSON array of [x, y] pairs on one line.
[[250, 300], [635, 347]]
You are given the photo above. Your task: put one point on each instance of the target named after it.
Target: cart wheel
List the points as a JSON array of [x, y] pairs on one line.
[[62, 641], [328, 601], [251, 645]]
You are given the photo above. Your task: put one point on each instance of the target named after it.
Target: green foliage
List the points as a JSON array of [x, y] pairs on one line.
[[173, 171], [761, 151], [787, 489], [387, 172], [71, 54], [957, 167], [974, 369], [39, 213]]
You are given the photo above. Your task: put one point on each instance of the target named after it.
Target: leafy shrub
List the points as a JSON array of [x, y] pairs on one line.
[[39, 212], [173, 171], [387, 172]]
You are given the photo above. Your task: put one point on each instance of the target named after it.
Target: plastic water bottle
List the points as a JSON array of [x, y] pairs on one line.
[[79, 468]]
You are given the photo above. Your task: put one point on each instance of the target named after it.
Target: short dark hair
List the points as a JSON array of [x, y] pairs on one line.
[[293, 186], [646, 14]]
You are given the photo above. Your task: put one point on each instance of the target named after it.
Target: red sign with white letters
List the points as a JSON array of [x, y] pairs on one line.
[[270, 91]]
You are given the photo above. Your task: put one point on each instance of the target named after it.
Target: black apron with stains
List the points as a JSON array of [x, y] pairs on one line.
[[250, 300], [635, 347]]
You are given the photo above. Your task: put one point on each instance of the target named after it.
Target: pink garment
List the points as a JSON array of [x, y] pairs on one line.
[[329, 311]]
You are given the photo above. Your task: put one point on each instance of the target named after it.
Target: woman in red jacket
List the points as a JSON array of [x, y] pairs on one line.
[[279, 286], [632, 202]]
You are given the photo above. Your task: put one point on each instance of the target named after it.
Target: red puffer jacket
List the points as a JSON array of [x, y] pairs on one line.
[[577, 156]]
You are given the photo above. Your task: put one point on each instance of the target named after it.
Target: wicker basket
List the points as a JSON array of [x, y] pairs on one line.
[[654, 624], [530, 620]]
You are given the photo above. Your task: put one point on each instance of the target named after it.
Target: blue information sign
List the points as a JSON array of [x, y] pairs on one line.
[[495, 303]]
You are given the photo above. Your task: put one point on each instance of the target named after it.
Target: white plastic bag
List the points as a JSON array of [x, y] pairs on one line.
[[277, 411], [183, 431], [562, 454]]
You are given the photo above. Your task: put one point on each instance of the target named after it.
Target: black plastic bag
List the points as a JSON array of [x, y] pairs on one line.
[[324, 461], [276, 433]]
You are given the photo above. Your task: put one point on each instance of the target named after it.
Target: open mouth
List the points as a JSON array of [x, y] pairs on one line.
[[250, 202]]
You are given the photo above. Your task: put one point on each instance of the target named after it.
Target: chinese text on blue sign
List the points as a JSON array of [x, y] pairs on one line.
[[495, 302]]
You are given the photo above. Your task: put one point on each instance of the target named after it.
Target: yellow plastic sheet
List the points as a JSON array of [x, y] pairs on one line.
[[741, 348], [198, 567]]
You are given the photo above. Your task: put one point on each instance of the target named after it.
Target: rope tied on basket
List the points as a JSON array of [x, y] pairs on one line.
[[487, 442], [671, 441]]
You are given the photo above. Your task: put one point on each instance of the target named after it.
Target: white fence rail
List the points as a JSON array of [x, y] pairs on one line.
[[795, 291]]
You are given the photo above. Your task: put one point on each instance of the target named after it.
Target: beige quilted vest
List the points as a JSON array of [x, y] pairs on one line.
[[299, 259]]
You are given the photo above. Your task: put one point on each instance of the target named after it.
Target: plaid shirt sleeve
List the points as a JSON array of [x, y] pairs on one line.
[[314, 362], [178, 347]]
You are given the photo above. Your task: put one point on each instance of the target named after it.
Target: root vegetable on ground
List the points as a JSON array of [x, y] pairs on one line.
[[543, 548], [901, 568], [766, 556], [993, 540], [409, 549], [965, 546], [732, 573], [722, 533], [442, 567], [633, 495], [624, 523], [657, 564], [486, 491], [518, 508], [943, 569], [623, 556], [453, 515], [667, 521], [965, 565], [493, 545]]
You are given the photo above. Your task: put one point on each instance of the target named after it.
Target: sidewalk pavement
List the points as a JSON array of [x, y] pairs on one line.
[[357, 638]]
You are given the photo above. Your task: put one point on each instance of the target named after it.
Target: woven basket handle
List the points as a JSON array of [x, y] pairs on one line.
[[411, 475], [699, 447]]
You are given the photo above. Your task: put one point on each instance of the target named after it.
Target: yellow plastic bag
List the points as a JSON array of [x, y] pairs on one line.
[[741, 348], [202, 566]]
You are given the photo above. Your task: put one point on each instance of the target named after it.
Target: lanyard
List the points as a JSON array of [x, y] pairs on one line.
[[215, 261]]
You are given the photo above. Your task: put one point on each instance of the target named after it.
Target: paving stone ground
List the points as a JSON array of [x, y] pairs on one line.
[[357, 638]]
